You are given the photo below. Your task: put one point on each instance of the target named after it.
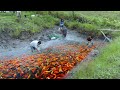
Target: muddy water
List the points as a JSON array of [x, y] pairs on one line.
[[22, 48]]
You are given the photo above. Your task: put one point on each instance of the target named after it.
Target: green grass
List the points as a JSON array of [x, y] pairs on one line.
[[90, 21], [34, 25], [105, 66]]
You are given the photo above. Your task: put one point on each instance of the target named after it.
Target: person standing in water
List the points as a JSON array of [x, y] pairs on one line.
[[63, 30], [61, 23], [89, 39]]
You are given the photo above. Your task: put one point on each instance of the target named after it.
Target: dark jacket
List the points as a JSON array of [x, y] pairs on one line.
[[89, 38], [61, 22]]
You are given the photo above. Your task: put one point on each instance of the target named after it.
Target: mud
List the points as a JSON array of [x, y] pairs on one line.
[[10, 47]]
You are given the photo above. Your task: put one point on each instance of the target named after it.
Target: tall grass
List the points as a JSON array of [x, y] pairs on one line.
[[32, 25], [89, 21]]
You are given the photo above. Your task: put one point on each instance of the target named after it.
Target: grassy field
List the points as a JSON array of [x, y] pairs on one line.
[[83, 21], [9, 22], [105, 66]]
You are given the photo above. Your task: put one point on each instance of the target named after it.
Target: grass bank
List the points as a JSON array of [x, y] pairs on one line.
[[10, 24], [105, 66], [87, 22]]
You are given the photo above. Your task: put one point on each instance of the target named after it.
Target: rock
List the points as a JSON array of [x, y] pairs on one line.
[[46, 38], [94, 53], [14, 45], [5, 46], [31, 40], [43, 35], [41, 38], [3, 41], [35, 38]]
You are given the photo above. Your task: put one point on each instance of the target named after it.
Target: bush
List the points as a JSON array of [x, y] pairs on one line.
[[72, 25]]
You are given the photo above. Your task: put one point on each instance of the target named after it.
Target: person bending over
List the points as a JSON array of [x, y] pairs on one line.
[[34, 45]]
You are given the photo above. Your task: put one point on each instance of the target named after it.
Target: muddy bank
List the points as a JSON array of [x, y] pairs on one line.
[[10, 47]]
